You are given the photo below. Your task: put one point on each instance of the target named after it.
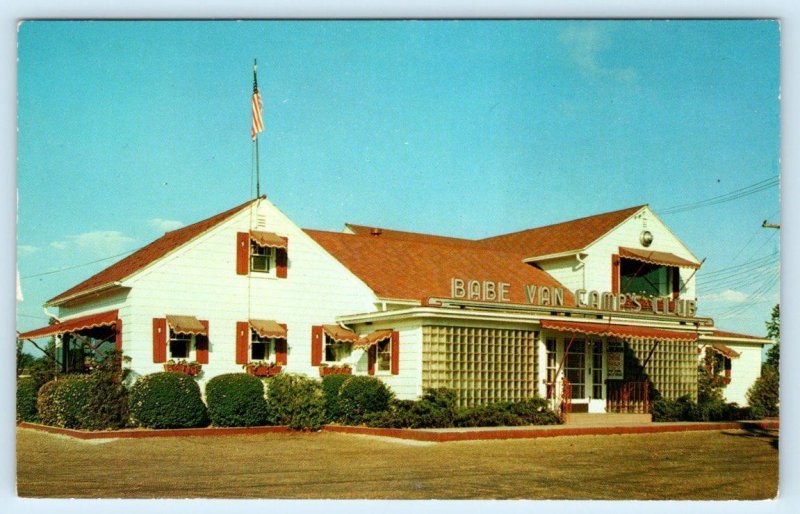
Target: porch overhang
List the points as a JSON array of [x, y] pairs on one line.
[[103, 319], [620, 331]]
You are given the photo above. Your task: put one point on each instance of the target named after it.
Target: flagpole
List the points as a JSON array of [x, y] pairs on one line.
[[255, 135]]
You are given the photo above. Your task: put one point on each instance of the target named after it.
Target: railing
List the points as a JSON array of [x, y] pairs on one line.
[[631, 397]]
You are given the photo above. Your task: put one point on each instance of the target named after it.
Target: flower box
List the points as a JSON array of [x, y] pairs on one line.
[[263, 370], [324, 371], [187, 368]]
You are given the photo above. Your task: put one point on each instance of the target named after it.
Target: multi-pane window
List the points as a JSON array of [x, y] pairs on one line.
[[575, 368], [645, 279], [552, 367], [384, 355], [261, 348], [597, 370], [260, 257], [336, 350], [180, 345]]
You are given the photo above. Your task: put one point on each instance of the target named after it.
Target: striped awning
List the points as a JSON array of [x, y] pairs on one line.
[[188, 325], [268, 328], [339, 334], [620, 331], [103, 319], [724, 351], [660, 258], [268, 239], [373, 338]]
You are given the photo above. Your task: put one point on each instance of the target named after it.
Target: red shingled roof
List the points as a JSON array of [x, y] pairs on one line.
[[364, 230], [561, 237], [147, 254], [723, 333], [412, 269]]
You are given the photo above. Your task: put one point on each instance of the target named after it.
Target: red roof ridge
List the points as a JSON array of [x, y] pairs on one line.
[[726, 333], [387, 233], [628, 210], [147, 254]]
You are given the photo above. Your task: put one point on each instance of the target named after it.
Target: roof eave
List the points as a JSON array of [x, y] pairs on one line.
[[56, 302], [553, 256]]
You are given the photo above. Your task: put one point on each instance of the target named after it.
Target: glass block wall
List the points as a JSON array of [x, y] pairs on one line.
[[672, 370], [482, 365]]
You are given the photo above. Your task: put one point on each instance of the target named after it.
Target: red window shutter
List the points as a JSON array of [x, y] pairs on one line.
[[676, 283], [201, 344], [281, 348], [282, 260], [371, 355], [242, 342], [316, 345], [395, 352], [242, 253], [118, 335], [159, 340], [615, 273]]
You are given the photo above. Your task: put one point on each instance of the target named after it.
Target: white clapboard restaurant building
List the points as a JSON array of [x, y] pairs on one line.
[[600, 310]]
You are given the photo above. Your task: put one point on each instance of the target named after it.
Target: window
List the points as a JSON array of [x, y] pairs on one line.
[[180, 345], [646, 279], [718, 366], [261, 348], [384, 355], [575, 368], [260, 258], [552, 367], [336, 351]]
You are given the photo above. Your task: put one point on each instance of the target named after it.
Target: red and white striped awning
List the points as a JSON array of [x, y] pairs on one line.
[[373, 338], [620, 331], [339, 334], [102, 319], [268, 328], [268, 239], [187, 325], [660, 258]]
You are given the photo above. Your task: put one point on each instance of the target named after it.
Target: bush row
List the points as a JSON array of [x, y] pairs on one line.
[[686, 409]]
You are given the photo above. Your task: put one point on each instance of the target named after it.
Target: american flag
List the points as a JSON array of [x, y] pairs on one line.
[[258, 122]]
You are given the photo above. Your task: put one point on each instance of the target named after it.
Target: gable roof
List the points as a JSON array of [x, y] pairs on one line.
[[147, 254], [561, 237], [418, 269]]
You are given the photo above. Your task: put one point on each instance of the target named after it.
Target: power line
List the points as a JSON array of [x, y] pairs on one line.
[[77, 265], [727, 197]]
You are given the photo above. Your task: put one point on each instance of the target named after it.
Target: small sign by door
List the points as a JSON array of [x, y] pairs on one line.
[[615, 360]]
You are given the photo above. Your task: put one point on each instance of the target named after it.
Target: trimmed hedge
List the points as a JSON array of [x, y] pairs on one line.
[[525, 412], [330, 389], [296, 401], [26, 399], [236, 400], [685, 409], [437, 409], [361, 396], [66, 402], [167, 400]]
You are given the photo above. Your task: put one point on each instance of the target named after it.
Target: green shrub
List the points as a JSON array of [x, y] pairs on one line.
[[362, 395], [108, 399], [436, 409], [26, 399], [296, 401], [66, 402], [525, 412], [167, 400], [682, 409], [330, 389], [236, 400], [764, 395]]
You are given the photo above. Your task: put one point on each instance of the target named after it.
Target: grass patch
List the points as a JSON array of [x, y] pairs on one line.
[[692, 465]]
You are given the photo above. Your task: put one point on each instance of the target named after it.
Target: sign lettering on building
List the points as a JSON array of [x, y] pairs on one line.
[[490, 291]]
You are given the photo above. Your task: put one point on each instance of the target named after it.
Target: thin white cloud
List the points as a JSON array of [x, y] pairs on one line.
[[26, 249], [586, 41], [102, 241], [165, 225], [58, 245], [728, 295]]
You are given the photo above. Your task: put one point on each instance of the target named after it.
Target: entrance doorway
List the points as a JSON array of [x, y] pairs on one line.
[[584, 367]]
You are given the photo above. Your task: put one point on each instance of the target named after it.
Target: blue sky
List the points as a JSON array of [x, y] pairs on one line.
[[461, 128]]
